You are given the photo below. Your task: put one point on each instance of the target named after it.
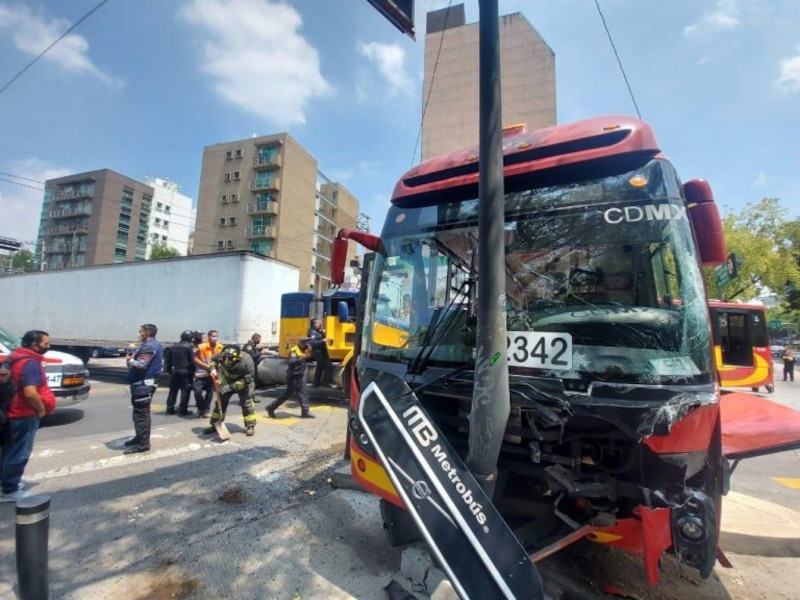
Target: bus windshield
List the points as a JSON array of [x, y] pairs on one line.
[[602, 284]]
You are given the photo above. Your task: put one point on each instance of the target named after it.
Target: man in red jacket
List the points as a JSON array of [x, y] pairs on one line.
[[33, 399]]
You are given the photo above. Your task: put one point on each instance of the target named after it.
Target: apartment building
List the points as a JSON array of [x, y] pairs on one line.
[[450, 91], [267, 194], [171, 219], [94, 218]]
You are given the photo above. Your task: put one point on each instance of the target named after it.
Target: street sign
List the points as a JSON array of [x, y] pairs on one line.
[[774, 324], [723, 278], [399, 13]]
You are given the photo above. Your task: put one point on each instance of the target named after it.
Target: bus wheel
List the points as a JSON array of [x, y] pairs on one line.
[[755, 389]]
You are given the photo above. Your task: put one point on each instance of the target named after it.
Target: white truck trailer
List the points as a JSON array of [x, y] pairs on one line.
[[236, 293]]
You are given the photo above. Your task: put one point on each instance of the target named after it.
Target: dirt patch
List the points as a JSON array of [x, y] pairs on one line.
[[233, 495], [165, 582]]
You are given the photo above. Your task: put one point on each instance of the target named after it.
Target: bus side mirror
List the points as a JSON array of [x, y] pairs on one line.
[[707, 224], [338, 258]]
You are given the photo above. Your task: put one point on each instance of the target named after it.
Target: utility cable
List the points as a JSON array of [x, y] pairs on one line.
[[430, 87], [43, 52], [38, 189], [21, 177], [619, 61]]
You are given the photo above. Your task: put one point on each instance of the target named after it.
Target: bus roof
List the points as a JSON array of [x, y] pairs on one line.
[[529, 151]]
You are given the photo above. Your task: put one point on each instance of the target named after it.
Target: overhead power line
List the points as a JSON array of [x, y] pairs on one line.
[[430, 87], [33, 187], [619, 61], [46, 50]]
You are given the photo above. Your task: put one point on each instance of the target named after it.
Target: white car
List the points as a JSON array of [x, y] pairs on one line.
[[67, 376]]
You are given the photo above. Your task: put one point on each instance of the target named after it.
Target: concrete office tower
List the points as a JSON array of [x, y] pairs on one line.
[[93, 218], [452, 95], [172, 217], [266, 194]]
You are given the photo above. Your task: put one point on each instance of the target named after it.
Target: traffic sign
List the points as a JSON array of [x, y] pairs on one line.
[[774, 324]]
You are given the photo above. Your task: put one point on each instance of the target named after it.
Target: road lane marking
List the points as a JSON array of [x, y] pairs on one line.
[[116, 461], [790, 482]]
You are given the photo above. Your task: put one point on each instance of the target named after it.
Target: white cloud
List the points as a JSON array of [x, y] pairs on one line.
[[724, 16], [32, 33], [22, 202], [256, 57], [390, 60], [789, 78]]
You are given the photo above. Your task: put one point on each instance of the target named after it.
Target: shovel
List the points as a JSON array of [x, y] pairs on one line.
[[222, 429]]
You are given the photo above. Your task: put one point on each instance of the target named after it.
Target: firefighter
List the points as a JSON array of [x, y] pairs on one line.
[[299, 355], [234, 373]]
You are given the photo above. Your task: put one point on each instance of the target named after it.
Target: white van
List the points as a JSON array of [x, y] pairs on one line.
[[67, 376]]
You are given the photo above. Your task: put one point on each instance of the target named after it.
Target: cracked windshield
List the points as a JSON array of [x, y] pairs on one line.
[[602, 284]]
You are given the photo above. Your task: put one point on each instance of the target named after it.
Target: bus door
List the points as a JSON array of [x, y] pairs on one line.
[[741, 347]]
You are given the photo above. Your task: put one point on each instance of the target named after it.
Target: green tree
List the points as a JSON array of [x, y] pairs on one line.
[[760, 236], [24, 260], [163, 251]]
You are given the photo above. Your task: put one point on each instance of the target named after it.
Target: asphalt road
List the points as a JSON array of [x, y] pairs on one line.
[[256, 517]]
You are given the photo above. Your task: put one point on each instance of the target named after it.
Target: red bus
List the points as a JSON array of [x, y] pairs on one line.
[[741, 345]]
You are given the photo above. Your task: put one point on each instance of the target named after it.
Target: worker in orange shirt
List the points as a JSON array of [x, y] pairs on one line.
[[203, 384]]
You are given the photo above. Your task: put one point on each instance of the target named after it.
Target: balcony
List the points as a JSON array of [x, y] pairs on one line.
[[261, 232], [73, 212], [72, 194], [269, 207], [272, 184], [67, 230], [65, 248], [262, 163]]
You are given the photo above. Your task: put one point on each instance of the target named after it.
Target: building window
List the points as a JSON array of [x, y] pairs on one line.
[[232, 221], [228, 155], [230, 244], [166, 223], [239, 153], [227, 177], [220, 245], [223, 221], [236, 176], [234, 197], [224, 198], [159, 206], [157, 221], [163, 238], [166, 209]]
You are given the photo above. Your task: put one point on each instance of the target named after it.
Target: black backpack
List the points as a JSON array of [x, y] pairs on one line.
[[7, 391]]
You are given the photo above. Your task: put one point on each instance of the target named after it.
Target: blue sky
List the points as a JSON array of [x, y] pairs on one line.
[[141, 86]]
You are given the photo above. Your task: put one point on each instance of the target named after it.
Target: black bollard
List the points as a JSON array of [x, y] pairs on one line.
[[33, 526]]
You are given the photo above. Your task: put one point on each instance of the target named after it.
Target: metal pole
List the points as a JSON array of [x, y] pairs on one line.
[[490, 397], [33, 525]]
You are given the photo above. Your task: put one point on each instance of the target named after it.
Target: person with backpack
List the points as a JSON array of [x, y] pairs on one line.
[[31, 400]]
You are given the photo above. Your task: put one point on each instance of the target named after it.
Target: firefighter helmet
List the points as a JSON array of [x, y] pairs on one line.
[[187, 335], [230, 355]]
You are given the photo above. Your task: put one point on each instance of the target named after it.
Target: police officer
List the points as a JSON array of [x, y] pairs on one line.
[[234, 372], [251, 347], [144, 367], [179, 362], [295, 380], [318, 341]]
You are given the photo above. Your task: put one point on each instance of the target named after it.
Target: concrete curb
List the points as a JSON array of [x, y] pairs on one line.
[[747, 515]]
